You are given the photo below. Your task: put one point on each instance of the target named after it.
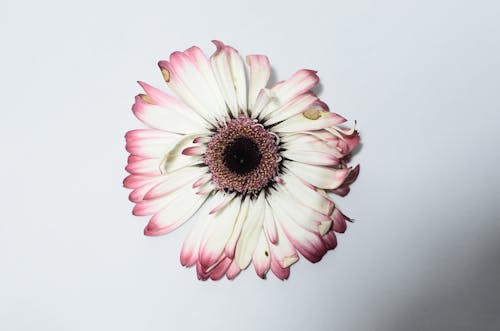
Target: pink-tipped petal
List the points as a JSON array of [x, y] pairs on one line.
[[229, 72], [190, 247], [300, 82], [262, 256], [311, 157], [220, 270], [283, 252], [270, 228], [260, 71], [150, 167], [278, 271], [172, 182], [233, 271], [138, 194], [344, 188], [319, 176], [330, 240], [192, 80], [230, 247], [310, 120], [194, 150], [174, 215], [166, 118], [251, 231], [295, 106], [339, 221], [217, 232]]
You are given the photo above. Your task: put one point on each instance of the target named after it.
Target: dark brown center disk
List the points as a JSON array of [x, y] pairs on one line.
[[242, 156]]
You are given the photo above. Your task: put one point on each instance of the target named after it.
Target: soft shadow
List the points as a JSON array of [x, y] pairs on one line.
[[464, 297], [318, 89], [273, 77], [357, 149]]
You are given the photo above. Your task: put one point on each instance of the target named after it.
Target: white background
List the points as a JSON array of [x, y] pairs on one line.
[[420, 77]]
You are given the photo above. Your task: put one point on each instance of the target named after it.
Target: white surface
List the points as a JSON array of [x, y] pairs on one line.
[[420, 77]]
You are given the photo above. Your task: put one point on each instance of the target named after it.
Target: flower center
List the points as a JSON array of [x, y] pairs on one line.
[[243, 156]]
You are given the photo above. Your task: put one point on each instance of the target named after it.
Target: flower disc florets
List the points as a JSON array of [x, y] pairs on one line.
[[243, 156]]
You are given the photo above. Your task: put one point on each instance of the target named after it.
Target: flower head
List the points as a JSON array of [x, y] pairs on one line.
[[251, 165]]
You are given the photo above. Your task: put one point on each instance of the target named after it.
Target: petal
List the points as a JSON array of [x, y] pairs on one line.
[[308, 121], [250, 233], [180, 209], [172, 104], [261, 256], [218, 230], [233, 270], [316, 142], [138, 193], [136, 181], [173, 181], [220, 270], [229, 73], [166, 118], [188, 76], [307, 243], [300, 226], [306, 195], [278, 271], [190, 247], [339, 221], [311, 157], [300, 82], [270, 228], [151, 167], [283, 252], [322, 177], [305, 217], [265, 103], [351, 178], [152, 206], [260, 71], [330, 240], [295, 106], [230, 247], [175, 159], [150, 143]]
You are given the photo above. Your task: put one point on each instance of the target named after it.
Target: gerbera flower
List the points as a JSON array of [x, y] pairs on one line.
[[251, 165]]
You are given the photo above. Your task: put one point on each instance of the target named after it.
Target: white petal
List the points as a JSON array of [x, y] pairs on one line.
[[174, 180], [265, 103], [306, 195], [190, 247], [322, 177], [309, 244], [270, 228], [250, 232], [281, 202], [261, 256], [238, 225], [229, 73], [217, 231], [260, 70], [283, 251], [174, 159], [186, 73], [315, 120], [311, 157], [295, 106], [152, 206], [169, 118], [179, 209], [300, 82]]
